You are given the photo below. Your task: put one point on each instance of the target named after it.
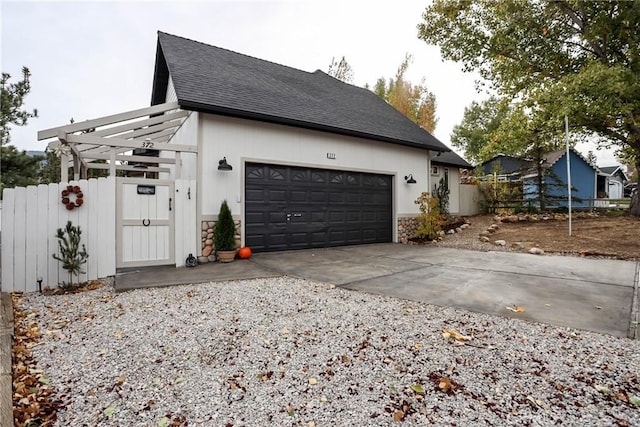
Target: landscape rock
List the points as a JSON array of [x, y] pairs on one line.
[[484, 239], [518, 246], [464, 226], [536, 251], [500, 243], [452, 231], [510, 218], [484, 233], [207, 251]]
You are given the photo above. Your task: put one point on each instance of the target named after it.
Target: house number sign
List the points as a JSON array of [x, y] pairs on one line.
[[147, 189], [331, 156]]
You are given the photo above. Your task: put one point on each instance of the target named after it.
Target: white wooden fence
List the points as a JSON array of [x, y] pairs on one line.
[[30, 219], [469, 197]]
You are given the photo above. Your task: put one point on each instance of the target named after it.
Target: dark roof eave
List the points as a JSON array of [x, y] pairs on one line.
[[225, 111]]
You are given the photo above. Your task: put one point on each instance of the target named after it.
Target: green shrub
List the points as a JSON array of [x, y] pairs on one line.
[[224, 230], [71, 255]]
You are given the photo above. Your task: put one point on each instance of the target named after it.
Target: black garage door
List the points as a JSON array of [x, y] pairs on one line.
[[294, 208]]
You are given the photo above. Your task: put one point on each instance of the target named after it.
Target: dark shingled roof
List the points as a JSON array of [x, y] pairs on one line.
[[219, 81], [452, 158]]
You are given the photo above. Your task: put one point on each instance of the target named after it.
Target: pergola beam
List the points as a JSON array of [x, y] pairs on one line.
[[129, 168], [122, 143], [107, 120], [141, 124]]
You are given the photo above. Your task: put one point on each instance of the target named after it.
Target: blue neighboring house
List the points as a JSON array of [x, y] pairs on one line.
[[507, 168], [584, 177]]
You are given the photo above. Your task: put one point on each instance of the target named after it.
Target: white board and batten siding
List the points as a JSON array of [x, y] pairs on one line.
[[30, 220]]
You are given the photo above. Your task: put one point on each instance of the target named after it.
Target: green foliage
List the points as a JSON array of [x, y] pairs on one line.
[[72, 255], [341, 70], [430, 220], [442, 196], [224, 230], [18, 169], [416, 102], [479, 123], [554, 58], [11, 100], [50, 171]]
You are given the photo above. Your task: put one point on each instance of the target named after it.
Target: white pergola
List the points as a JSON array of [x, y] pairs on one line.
[[113, 139]]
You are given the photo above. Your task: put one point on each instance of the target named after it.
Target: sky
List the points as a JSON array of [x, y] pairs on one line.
[[90, 59]]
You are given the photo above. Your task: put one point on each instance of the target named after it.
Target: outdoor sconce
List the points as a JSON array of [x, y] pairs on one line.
[[409, 179], [223, 165]]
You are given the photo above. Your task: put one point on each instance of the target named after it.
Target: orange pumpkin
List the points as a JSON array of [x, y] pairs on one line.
[[244, 252]]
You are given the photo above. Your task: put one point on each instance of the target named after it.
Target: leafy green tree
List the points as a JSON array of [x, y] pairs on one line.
[[341, 70], [414, 101], [479, 123], [561, 57], [12, 99]]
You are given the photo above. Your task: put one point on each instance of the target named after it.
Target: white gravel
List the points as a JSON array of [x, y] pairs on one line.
[[284, 351]]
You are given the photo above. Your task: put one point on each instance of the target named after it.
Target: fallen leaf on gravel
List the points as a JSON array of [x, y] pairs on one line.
[[516, 309], [163, 422], [446, 385], [602, 389], [417, 388], [450, 333], [109, 411], [398, 415], [597, 307], [313, 381], [418, 346], [634, 400], [291, 410], [179, 380]]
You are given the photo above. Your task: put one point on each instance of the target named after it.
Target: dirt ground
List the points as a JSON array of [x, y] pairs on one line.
[[599, 236]]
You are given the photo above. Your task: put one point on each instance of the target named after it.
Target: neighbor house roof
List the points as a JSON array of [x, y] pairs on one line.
[[553, 157], [506, 164], [215, 80], [452, 158], [613, 170]]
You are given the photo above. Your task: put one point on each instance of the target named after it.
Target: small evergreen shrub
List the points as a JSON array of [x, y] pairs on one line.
[[72, 255], [224, 230]]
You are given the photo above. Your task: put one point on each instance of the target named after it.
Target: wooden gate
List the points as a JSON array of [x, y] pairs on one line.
[[145, 222]]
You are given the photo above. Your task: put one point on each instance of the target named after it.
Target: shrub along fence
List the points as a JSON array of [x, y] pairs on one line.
[[31, 217]]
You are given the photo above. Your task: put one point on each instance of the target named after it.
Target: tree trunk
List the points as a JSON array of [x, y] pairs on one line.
[[634, 207]]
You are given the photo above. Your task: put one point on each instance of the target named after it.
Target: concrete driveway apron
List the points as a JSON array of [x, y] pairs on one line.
[[591, 294]]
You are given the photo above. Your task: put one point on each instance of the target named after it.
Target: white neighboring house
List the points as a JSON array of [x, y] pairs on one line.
[[611, 181], [303, 159]]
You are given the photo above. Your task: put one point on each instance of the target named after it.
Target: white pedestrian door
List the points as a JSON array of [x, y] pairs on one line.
[[145, 222]]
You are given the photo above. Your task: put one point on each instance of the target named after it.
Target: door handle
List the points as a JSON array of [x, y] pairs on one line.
[[170, 204]]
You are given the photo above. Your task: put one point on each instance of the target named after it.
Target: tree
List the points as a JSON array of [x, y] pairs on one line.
[[341, 70], [12, 99], [479, 123], [561, 57], [414, 101], [18, 168]]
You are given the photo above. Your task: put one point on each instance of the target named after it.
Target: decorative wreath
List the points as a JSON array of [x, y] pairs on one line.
[[66, 200]]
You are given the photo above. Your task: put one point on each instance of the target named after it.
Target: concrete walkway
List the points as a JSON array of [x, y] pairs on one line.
[[591, 294]]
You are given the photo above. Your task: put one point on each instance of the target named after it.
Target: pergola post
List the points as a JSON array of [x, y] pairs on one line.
[[64, 168]]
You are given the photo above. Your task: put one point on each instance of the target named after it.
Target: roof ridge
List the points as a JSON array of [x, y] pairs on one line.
[[236, 53]]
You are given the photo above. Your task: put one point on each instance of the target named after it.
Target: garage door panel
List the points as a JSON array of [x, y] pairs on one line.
[[293, 207]]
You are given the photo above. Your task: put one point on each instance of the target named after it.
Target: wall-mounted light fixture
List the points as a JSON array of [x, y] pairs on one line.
[[223, 165], [409, 179]]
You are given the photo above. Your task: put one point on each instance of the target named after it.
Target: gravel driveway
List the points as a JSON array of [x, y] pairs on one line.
[[284, 351]]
